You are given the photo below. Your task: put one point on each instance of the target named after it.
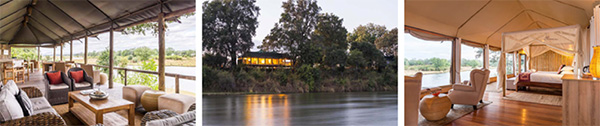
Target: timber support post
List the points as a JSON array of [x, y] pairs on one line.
[[111, 61]]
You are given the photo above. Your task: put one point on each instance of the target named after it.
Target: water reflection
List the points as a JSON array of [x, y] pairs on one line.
[[370, 108]]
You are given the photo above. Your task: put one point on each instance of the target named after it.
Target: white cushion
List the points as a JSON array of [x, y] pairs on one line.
[[58, 86], [40, 105], [82, 84], [9, 107], [567, 68], [175, 120], [12, 87]]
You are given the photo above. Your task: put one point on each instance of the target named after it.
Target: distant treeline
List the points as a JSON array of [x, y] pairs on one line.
[[145, 52], [437, 64]]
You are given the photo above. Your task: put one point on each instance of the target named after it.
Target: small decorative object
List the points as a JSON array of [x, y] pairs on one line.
[[435, 107], [595, 63], [436, 93], [98, 95]]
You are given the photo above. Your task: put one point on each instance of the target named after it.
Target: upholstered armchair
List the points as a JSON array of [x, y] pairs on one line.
[[470, 94], [57, 93], [412, 91], [87, 82]]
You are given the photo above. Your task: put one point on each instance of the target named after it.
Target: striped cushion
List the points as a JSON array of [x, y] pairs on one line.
[[182, 119], [9, 107]]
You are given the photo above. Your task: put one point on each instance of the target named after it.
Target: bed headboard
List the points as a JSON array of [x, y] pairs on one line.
[[550, 61]]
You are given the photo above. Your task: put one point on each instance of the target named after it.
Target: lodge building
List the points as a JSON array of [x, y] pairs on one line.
[[265, 59]]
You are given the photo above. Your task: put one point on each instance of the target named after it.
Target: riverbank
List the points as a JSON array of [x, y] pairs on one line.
[[306, 80], [413, 72]]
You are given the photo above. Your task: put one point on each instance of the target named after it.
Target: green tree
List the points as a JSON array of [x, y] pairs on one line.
[[330, 33], [152, 26], [144, 53], [24, 53], [356, 59], [366, 33], [440, 64], [373, 57], [228, 27], [335, 58], [388, 43], [294, 28]]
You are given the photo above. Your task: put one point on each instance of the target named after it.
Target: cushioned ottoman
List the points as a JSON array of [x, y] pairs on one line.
[[175, 102], [103, 78], [149, 99], [133, 93], [510, 83]]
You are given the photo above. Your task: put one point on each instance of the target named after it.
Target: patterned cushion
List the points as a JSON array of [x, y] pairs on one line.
[[25, 103], [58, 86], [9, 107], [175, 120], [156, 115]]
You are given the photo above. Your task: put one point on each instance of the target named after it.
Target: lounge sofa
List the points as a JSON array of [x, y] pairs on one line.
[[42, 114]]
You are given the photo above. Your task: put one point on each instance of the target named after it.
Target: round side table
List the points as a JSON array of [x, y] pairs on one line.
[[435, 107], [149, 99]]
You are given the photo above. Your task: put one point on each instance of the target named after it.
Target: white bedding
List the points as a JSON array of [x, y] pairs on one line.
[[546, 77]]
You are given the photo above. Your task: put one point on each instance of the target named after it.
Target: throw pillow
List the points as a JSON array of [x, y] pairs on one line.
[[560, 68], [25, 103], [9, 106], [77, 76], [54, 78], [175, 120], [12, 87]]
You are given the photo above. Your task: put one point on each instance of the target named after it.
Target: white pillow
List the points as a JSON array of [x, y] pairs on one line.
[[12, 87], [9, 106], [567, 68]]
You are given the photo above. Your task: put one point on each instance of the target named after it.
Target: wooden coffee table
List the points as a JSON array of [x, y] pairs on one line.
[[97, 111]]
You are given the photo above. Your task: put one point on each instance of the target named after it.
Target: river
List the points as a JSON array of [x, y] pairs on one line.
[[184, 84], [354, 108], [439, 79]]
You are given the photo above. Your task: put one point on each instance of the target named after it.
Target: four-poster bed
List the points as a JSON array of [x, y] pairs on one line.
[[564, 41]]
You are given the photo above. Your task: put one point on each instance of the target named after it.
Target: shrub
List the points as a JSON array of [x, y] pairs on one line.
[[310, 75], [174, 57], [217, 80]]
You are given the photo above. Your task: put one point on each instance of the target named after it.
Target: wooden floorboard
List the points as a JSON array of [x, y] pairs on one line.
[[508, 112]]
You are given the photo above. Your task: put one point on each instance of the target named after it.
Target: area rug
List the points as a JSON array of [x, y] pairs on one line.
[[455, 113], [540, 98]]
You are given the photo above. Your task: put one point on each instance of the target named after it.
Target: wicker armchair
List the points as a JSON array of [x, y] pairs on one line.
[[88, 82], [58, 93], [162, 114], [41, 119]]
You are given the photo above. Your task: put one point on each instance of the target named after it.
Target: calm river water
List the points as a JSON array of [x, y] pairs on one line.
[[357, 108], [434, 80]]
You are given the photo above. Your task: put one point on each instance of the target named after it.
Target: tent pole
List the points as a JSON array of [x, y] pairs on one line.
[[54, 54], [161, 51], [85, 51], [455, 65], [486, 56], [61, 52], [111, 61], [71, 53], [38, 56]]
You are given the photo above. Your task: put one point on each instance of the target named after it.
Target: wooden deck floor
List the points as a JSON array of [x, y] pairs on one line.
[[508, 112]]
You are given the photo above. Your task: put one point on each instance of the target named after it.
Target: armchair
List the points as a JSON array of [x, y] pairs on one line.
[[87, 82], [58, 93], [412, 91], [470, 95]]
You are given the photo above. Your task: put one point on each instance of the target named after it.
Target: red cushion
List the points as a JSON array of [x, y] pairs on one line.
[[54, 78], [77, 76], [560, 68]]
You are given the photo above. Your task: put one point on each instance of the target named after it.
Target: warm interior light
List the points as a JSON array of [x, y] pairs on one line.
[[595, 63]]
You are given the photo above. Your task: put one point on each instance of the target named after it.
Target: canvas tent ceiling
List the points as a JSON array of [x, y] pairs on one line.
[[484, 21], [47, 22], [563, 40]]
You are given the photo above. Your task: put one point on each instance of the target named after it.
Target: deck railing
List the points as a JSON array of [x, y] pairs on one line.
[[176, 76]]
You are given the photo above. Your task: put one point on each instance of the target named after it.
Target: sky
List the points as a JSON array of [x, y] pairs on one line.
[[179, 36], [354, 13], [430, 49]]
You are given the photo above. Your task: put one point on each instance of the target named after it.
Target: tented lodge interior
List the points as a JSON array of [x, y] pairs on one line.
[[553, 76]]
